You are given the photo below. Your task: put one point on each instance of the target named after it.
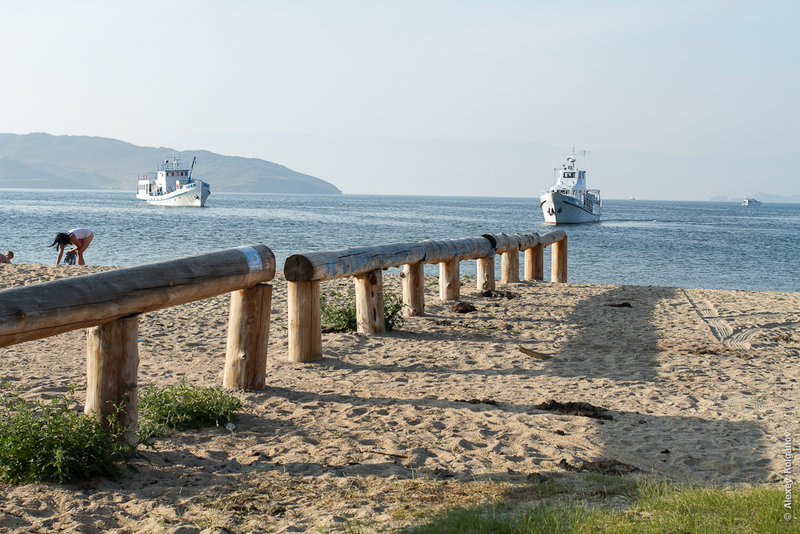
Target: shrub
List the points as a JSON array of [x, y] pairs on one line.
[[182, 407], [53, 441], [392, 311], [339, 310]]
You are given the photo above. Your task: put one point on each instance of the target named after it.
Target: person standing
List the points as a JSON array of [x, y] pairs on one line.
[[79, 237]]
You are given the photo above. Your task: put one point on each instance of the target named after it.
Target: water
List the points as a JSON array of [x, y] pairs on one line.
[[679, 244]]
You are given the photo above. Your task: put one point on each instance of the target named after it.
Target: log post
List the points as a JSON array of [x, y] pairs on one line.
[[413, 289], [558, 272], [449, 280], [485, 271], [112, 364], [369, 302], [248, 338], [509, 266], [534, 263], [305, 324]]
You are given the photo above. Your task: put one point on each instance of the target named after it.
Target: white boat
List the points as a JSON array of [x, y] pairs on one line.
[[568, 201], [750, 202], [173, 185]]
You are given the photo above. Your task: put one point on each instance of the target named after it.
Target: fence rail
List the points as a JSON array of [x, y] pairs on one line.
[[304, 272]]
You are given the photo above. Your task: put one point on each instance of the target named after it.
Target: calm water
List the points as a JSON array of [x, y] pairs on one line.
[[680, 244]]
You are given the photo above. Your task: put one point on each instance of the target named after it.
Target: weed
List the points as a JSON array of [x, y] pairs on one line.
[[53, 441], [182, 407], [392, 311], [338, 310]]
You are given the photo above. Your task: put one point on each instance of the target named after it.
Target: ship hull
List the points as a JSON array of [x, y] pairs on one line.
[[194, 195], [558, 208]]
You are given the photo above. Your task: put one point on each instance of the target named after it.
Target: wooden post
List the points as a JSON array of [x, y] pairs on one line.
[[248, 338], [413, 289], [305, 325], [485, 270], [112, 363], [369, 302], [509, 266], [449, 280], [534, 263], [558, 272]]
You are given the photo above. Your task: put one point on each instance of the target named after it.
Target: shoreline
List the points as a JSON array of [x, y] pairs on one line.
[[705, 375], [55, 272]]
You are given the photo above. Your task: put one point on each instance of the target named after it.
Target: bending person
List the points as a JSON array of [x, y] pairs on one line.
[[79, 237]]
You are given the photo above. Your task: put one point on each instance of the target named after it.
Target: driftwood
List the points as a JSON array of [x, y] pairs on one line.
[[537, 355]]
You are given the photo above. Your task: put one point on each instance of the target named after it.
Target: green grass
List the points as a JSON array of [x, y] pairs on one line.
[[183, 407], [647, 507], [338, 310], [53, 441]]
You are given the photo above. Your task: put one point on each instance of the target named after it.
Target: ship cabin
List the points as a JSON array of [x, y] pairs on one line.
[[170, 177], [569, 179]]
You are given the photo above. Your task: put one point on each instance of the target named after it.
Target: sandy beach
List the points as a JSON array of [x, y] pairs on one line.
[[698, 385]]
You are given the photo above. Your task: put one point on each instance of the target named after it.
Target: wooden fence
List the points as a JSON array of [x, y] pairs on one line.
[[304, 272], [109, 303]]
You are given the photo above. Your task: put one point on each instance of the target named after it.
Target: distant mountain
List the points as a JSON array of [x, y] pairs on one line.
[[41, 160]]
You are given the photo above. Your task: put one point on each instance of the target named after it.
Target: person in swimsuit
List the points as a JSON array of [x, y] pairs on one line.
[[7, 257], [79, 237]]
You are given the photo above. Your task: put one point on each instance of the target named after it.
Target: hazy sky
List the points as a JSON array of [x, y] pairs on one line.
[[677, 78]]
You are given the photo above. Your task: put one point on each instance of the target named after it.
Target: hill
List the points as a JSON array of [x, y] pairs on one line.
[[40, 160]]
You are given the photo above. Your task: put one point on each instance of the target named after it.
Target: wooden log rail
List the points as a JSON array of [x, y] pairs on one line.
[[304, 272], [109, 303]]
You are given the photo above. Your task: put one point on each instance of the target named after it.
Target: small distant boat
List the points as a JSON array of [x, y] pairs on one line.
[[750, 202], [568, 201], [173, 185]]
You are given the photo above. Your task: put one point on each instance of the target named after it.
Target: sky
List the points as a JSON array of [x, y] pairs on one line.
[[427, 97]]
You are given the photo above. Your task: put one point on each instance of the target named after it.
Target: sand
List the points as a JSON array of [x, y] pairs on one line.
[[699, 385]]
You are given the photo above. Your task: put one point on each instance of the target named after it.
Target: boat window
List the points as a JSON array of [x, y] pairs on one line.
[[569, 175]]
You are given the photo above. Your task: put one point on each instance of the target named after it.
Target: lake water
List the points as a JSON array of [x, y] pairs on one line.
[[680, 244]]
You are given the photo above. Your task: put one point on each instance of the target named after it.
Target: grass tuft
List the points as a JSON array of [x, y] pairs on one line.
[[183, 407], [338, 310], [53, 441]]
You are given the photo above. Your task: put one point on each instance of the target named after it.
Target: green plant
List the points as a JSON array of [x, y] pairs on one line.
[[182, 407], [392, 311], [338, 310], [53, 441], [654, 507]]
